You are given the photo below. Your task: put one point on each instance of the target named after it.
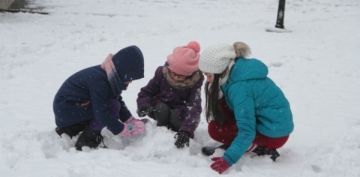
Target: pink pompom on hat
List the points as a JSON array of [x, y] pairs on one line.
[[184, 60]]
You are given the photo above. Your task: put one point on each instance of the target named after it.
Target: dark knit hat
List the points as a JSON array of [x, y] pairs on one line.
[[129, 63]]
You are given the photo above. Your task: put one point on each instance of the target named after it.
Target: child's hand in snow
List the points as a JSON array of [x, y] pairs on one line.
[[133, 127]]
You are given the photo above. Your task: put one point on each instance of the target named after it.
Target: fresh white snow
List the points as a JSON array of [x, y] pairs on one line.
[[316, 65]]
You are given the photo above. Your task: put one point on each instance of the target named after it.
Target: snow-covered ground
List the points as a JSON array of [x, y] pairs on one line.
[[316, 65]]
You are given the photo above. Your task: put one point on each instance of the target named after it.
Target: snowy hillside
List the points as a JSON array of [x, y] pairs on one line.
[[316, 65]]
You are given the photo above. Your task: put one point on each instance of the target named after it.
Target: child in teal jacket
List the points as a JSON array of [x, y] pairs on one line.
[[260, 118]]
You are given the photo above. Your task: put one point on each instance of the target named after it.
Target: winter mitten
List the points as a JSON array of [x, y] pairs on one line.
[[220, 165], [182, 139], [143, 111], [131, 120], [133, 128]]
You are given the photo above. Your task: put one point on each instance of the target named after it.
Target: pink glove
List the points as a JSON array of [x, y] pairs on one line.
[[131, 120], [219, 164], [133, 127]]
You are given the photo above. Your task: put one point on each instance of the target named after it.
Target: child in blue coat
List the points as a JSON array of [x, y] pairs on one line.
[[245, 109], [90, 99]]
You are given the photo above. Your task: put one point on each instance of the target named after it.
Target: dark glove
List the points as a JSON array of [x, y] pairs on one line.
[[220, 165], [143, 111], [182, 139]]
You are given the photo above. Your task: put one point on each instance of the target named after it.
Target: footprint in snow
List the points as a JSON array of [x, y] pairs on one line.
[[316, 168], [276, 64]]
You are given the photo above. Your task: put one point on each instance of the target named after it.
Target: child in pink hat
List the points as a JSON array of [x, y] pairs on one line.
[[172, 96]]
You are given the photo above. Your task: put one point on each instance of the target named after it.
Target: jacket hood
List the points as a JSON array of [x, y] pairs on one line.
[[248, 68], [129, 63]]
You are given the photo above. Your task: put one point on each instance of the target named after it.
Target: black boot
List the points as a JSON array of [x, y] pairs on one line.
[[90, 138], [72, 130], [262, 150]]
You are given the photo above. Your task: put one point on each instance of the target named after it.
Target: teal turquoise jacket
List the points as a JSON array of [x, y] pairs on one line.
[[258, 104]]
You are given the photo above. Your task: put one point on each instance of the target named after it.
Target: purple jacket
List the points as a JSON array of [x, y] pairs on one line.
[[185, 98]]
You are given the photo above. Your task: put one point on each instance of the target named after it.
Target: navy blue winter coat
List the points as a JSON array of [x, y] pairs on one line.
[[92, 87]]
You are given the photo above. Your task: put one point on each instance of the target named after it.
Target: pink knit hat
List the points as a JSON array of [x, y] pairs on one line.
[[185, 59]]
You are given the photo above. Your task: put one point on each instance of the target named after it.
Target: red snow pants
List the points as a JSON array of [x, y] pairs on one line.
[[226, 132]]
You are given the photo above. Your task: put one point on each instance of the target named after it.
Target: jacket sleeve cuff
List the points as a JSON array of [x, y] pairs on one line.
[[228, 160], [116, 129]]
